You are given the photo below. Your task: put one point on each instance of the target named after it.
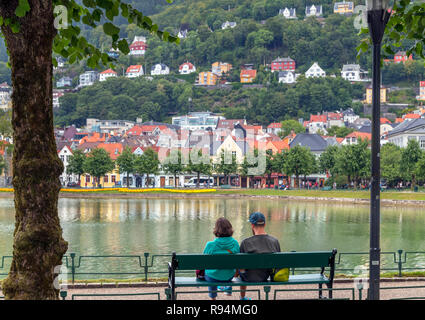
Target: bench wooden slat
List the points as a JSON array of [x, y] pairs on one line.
[[293, 279], [254, 261]]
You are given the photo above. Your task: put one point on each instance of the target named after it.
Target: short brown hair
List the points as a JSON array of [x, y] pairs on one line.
[[223, 228]]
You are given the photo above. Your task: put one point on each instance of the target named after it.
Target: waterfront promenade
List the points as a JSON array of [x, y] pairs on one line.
[[345, 290]]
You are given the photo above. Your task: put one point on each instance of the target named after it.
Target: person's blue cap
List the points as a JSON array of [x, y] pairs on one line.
[[257, 218]]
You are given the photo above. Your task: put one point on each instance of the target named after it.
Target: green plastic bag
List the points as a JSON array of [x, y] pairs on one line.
[[281, 275]]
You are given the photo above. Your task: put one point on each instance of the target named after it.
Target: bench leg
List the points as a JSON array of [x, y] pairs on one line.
[[330, 291], [320, 291], [168, 293], [267, 291]]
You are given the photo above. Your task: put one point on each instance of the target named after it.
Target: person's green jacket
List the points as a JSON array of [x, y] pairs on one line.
[[221, 246]]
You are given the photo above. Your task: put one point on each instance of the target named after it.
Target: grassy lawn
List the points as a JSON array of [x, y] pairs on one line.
[[393, 195], [351, 194]]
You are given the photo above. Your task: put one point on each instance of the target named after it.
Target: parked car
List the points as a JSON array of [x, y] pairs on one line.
[[202, 182], [72, 184]]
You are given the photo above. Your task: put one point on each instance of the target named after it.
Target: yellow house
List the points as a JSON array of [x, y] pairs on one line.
[[108, 181], [343, 7], [369, 95], [229, 145], [221, 67], [207, 78], [111, 178]]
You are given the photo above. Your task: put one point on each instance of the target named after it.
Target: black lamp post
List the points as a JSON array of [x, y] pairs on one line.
[[377, 18]]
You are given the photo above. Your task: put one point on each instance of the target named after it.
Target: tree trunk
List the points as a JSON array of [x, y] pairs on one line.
[[175, 181], [38, 244], [127, 180], [197, 182]]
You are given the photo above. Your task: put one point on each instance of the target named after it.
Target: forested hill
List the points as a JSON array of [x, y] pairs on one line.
[[261, 35]]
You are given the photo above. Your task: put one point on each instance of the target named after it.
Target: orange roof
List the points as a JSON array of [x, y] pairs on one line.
[[188, 63], [138, 130], [385, 120], [134, 68], [275, 125], [411, 116], [318, 118], [280, 145], [248, 73], [109, 71], [361, 135], [398, 120], [114, 149], [94, 137]]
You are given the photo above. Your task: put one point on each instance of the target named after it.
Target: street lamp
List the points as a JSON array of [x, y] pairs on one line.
[[377, 18]]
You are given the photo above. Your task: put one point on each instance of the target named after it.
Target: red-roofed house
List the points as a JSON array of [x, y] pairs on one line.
[[277, 146], [65, 154], [274, 127], [144, 130], [114, 149], [187, 68], [354, 137], [398, 120], [316, 123], [385, 120], [107, 74], [401, 56], [248, 76], [411, 116], [134, 71], [138, 48]]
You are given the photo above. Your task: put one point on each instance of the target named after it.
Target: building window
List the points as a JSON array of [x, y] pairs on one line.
[[87, 178], [63, 158], [113, 179], [105, 179]]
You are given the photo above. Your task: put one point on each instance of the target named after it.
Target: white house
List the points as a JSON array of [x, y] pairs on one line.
[[65, 155], [107, 74], [288, 13], [159, 69], [286, 77], [353, 72], [408, 130], [314, 10], [228, 24], [56, 95], [315, 71], [138, 46], [187, 68], [88, 78], [182, 34], [64, 82], [350, 116], [134, 71]]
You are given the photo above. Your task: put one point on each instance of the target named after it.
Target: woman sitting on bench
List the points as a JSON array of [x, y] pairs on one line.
[[222, 244]]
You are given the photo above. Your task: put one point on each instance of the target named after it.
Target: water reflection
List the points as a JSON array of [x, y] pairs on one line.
[[135, 226]]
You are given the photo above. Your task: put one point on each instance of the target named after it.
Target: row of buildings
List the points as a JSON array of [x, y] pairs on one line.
[[213, 134], [316, 10]]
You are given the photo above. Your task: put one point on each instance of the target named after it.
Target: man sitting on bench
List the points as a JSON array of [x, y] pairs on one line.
[[260, 242]]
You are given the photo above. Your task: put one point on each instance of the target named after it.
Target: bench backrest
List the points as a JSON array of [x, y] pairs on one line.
[[320, 259]]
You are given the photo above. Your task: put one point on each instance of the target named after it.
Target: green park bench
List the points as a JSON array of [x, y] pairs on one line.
[[299, 260], [327, 188]]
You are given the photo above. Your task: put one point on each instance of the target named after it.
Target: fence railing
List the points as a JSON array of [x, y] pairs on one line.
[[148, 266]]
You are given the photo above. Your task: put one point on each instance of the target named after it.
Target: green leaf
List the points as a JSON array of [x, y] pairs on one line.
[[22, 8], [123, 46], [110, 29]]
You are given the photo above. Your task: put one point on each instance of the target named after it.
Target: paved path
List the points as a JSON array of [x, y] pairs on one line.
[[346, 293]]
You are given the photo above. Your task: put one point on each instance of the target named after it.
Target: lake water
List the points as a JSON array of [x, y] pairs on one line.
[[160, 226]]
